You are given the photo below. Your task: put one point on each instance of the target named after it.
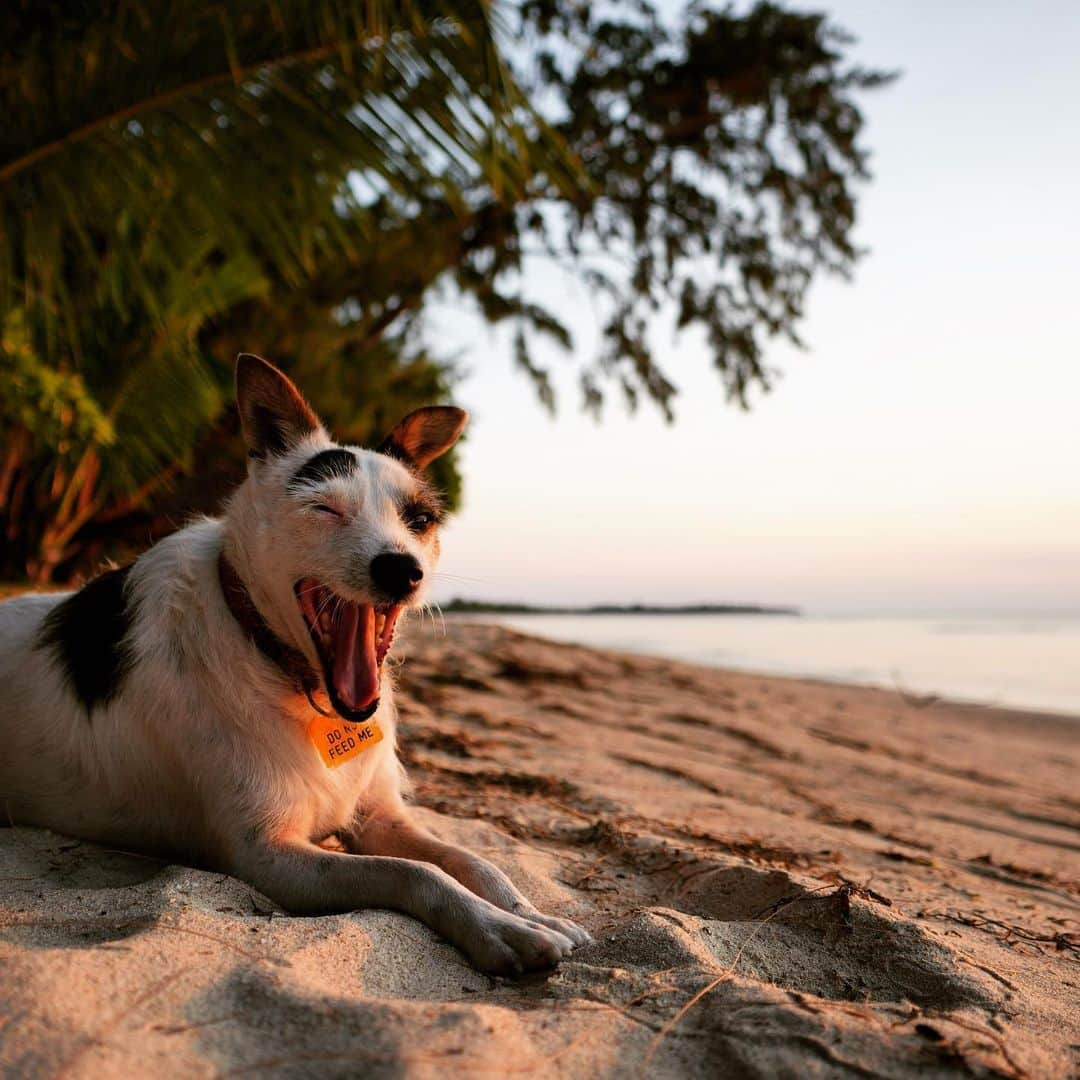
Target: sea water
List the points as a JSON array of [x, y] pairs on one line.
[[1031, 662]]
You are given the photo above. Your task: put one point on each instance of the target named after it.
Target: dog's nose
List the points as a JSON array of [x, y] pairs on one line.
[[396, 574]]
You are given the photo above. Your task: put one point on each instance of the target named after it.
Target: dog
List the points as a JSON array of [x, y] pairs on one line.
[[222, 700]]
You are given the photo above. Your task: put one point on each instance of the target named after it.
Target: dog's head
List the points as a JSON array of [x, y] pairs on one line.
[[338, 540]]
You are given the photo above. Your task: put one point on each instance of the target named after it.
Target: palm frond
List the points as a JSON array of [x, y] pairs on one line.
[[197, 120]]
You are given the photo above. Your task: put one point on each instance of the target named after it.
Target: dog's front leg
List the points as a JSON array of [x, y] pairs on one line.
[[307, 879], [393, 833]]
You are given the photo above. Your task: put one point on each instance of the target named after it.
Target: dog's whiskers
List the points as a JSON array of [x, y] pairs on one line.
[[442, 618], [441, 574], [323, 606], [425, 609]]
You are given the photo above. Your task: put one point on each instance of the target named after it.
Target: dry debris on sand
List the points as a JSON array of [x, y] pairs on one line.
[[783, 878]]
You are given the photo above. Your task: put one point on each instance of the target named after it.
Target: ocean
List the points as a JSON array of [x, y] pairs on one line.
[[1027, 663]]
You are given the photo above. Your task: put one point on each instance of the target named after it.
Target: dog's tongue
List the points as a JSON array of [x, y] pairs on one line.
[[356, 671]]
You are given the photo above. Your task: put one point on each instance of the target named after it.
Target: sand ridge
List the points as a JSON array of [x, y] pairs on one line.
[[783, 878]]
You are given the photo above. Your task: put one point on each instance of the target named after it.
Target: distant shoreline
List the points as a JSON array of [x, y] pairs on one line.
[[458, 606]]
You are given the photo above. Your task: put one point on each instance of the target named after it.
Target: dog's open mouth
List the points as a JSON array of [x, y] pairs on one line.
[[352, 641]]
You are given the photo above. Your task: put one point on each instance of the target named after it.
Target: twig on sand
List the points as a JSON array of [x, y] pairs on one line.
[[1010, 933], [726, 974], [1019, 1071], [847, 888]]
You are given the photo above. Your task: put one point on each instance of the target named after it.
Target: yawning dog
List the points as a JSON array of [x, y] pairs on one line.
[[223, 701]]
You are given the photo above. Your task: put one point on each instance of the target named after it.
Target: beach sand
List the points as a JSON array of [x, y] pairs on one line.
[[783, 879]]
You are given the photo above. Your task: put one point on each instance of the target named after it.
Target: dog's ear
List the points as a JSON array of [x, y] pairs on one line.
[[273, 413], [425, 434]]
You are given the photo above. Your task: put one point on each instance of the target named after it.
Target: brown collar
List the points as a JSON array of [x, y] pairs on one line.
[[291, 661]]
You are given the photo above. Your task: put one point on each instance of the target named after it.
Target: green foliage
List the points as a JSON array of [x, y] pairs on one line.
[[182, 182], [52, 407], [167, 170]]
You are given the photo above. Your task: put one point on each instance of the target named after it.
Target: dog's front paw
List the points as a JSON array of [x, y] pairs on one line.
[[505, 944], [577, 934]]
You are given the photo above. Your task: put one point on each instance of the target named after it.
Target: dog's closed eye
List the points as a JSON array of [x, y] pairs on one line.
[[324, 509]]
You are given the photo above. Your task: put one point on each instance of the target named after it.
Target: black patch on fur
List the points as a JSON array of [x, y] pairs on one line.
[[87, 632], [325, 465]]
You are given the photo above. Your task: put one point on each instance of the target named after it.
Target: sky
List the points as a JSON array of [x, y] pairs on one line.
[[922, 454]]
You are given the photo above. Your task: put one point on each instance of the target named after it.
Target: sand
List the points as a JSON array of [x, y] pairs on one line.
[[783, 879]]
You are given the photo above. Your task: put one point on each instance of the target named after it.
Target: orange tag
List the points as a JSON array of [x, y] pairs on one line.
[[339, 741]]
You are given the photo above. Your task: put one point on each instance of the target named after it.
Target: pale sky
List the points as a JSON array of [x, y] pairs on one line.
[[922, 454]]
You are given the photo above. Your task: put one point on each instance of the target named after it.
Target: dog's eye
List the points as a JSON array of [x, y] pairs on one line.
[[324, 509], [420, 521]]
